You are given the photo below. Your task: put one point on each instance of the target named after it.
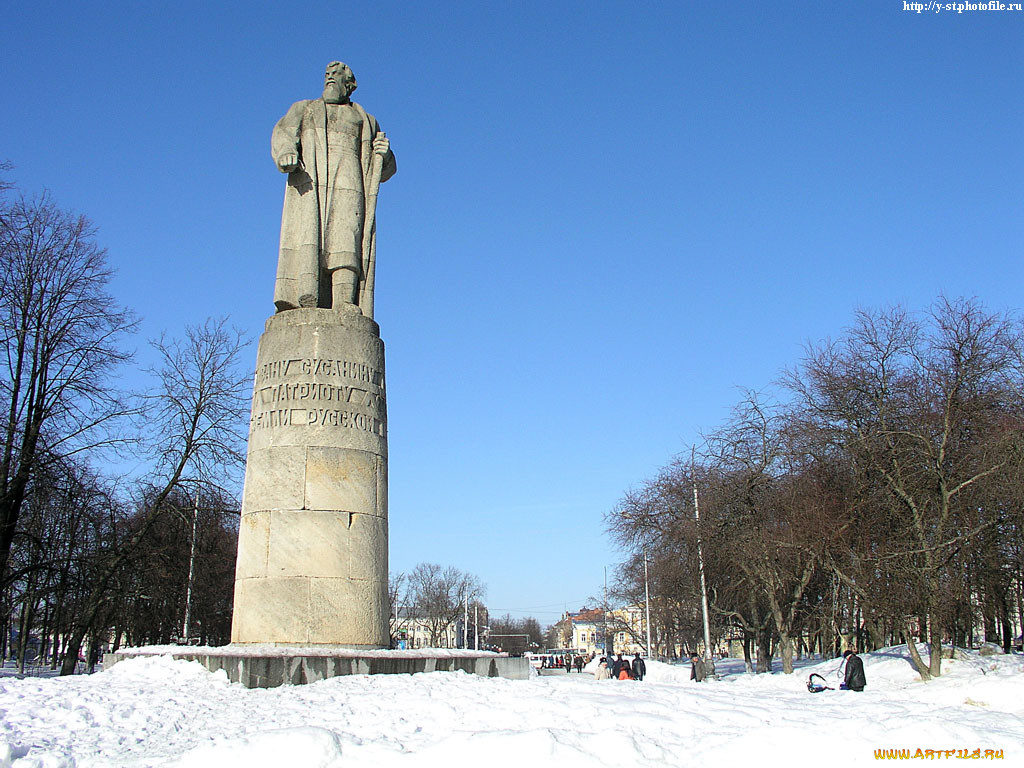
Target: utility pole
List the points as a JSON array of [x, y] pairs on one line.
[[476, 627], [703, 583], [465, 623], [604, 612], [191, 569], [647, 604]]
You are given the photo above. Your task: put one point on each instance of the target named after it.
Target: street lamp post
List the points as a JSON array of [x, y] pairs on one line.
[[647, 605], [604, 614], [703, 584], [191, 570]]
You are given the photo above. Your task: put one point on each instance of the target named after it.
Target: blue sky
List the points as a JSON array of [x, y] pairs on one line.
[[607, 217]]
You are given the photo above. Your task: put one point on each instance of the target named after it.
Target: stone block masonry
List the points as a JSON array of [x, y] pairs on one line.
[[313, 541]]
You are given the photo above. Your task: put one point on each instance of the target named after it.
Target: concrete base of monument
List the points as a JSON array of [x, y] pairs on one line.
[[312, 563], [268, 666]]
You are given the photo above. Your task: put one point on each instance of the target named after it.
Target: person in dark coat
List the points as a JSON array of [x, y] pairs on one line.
[[854, 679], [697, 671], [639, 668], [578, 663], [617, 666]]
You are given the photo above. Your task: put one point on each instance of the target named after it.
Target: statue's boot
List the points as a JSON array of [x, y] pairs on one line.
[[344, 284]]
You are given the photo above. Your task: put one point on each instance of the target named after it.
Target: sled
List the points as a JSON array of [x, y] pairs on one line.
[[815, 687]]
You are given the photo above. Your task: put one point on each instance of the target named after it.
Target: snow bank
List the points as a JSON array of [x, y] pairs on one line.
[[155, 712], [308, 747]]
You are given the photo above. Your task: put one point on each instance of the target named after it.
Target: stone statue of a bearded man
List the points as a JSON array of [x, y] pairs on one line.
[[334, 154]]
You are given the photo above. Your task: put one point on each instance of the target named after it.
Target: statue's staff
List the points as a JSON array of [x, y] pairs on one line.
[[369, 219]]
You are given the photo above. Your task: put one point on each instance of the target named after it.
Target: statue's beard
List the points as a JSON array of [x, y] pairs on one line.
[[334, 93]]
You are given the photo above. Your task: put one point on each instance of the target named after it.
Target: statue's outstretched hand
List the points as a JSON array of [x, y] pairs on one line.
[[381, 145], [288, 162]]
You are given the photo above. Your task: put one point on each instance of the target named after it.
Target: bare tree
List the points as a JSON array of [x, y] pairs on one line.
[[881, 501], [195, 417], [61, 516], [656, 519], [152, 588], [517, 636], [929, 412], [5, 165], [197, 412], [61, 334], [440, 594]]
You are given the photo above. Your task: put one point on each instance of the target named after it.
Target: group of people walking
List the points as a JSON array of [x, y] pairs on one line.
[[620, 669], [572, 662]]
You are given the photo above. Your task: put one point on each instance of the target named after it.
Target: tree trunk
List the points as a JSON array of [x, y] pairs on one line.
[[91, 654], [22, 635], [5, 632], [915, 657], [764, 651], [786, 650], [989, 619], [71, 651], [1020, 600], [44, 637], [1006, 630], [874, 635], [934, 643]]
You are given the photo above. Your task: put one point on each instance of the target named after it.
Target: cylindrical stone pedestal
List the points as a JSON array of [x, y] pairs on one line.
[[313, 543]]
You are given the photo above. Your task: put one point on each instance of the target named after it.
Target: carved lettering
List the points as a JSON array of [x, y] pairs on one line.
[[284, 395], [303, 391], [275, 369], [318, 366], [318, 417], [276, 418], [329, 417]]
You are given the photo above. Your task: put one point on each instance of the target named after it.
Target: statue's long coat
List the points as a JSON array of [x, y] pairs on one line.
[[303, 130]]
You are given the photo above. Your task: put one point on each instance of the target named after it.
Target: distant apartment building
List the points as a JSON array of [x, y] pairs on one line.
[[586, 629], [411, 631]]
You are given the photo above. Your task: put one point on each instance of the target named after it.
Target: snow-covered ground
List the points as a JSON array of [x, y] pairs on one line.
[[159, 712]]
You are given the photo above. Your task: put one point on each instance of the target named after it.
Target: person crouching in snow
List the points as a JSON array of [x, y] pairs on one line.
[[602, 673], [697, 671], [853, 678]]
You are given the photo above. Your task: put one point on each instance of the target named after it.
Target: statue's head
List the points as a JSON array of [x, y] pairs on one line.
[[339, 82]]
